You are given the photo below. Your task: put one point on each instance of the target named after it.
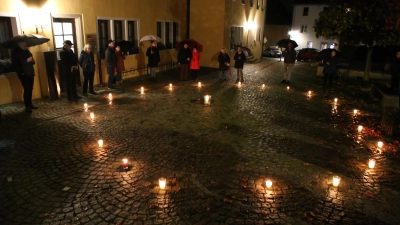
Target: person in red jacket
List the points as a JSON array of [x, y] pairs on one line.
[[195, 63], [120, 64]]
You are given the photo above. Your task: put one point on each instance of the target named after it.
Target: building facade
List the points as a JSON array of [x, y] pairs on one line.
[[215, 24], [305, 12]]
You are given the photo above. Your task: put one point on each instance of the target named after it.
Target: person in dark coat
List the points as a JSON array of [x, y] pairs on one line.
[[86, 61], [330, 67], [395, 72], [153, 56], [184, 57], [111, 63], [69, 64], [289, 59], [22, 62], [239, 58], [224, 62]]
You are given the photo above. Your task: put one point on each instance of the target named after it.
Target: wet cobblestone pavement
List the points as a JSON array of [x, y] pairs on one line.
[[216, 159]]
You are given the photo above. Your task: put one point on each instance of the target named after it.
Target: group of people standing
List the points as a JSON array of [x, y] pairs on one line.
[[224, 64]]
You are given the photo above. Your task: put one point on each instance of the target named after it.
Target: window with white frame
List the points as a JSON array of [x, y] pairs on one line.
[[5, 34], [236, 36], [303, 29], [168, 31], [118, 30]]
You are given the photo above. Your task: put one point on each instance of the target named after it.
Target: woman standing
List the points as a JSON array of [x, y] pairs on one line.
[[239, 58], [224, 62], [195, 63], [86, 61], [153, 56], [330, 66], [120, 64]]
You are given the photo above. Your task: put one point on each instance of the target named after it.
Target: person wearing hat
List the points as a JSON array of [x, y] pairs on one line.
[[184, 57], [111, 63], [69, 64]]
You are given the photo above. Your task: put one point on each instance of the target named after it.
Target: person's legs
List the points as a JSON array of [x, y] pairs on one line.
[[73, 85], [119, 76], [224, 74], [186, 71], [110, 72], [90, 79], [241, 74], [285, 68], [85, 82], [237, 75], [289, 71], [27, 86], [193, 74], [69, 85], [330, 79]]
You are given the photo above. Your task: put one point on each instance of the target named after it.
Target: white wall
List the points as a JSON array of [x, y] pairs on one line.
[[299, 20]]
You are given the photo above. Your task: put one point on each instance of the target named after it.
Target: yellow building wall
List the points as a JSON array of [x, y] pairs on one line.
[[148, 12]]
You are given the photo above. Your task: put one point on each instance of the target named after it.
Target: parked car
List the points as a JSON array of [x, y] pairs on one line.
[[271, 52], [307, 54]]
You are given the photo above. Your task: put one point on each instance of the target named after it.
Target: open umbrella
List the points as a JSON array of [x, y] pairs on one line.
[[191, 43], [126, 46], [150, 38], [284, 43], [30, 39], [325, 53]]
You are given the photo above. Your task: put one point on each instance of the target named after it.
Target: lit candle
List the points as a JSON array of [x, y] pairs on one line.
[[288, 87], [170, 85], [110, 103], [100, 142], [380, 144], [335, 100], [268, 183], [309, 92], [142, 90], [125, 163], [207, 100], [371, 163], [239, 83], [355, 111], [110, 96], [162, 182], [85, 106], [336, 181], [263, 85], [199, 84], [92, 115], [360, 128]]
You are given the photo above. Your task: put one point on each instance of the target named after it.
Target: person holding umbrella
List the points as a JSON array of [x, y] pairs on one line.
[[289, 56], [22, 61], [184, 57], [153, 56], [69, 63]]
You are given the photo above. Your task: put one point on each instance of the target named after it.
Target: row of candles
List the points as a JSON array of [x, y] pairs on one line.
[[207, 102]]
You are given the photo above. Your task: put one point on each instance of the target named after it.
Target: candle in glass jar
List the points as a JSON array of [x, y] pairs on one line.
[[335, 100], [125, 163], [288, 87], [162, 183], [142, 90], [239, 83], [336, 181], [85, 106], [263, 86], [110, 96], [92, 115], [170, 85], [309, 92], [207, 100], [380, 144], [355, 112], [360, 128], [199, 84], [268, 183], [100, 142], [371, 163]]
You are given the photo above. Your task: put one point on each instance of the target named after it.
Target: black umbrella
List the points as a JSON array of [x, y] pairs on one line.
[[326, 53], [126, 46], [30, 39], [284, 43]]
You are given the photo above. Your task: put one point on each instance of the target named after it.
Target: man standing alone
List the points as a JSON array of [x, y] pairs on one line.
[[289, 59], [69, 64], [184, 57], [111, 63]]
